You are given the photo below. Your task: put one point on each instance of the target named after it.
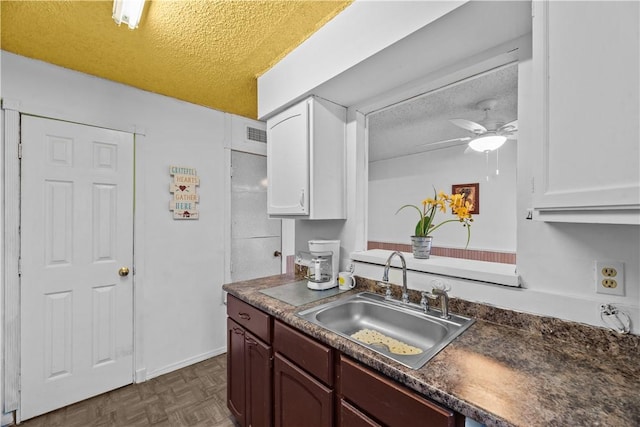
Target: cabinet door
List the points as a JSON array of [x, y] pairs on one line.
[[258, 374], [586, 65], [300, 400], [236, 379], [288, 162]]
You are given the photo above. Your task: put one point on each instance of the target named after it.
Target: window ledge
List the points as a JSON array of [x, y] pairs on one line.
[[490, 272]]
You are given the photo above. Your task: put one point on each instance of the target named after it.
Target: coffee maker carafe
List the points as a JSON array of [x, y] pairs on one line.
[[323, 262]]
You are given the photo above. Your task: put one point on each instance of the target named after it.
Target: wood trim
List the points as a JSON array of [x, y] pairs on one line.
[[488, 256]]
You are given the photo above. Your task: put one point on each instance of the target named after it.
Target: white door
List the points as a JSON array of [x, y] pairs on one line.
[[76, 310], [255, 239]]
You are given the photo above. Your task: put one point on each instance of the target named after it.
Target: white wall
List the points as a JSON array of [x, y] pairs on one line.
[[179, 264], [555, 261], [411, 179]]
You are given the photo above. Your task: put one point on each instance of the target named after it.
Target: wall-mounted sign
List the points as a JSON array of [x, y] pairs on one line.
[[185, 196]]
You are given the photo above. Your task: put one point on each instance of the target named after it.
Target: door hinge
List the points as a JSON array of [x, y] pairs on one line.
[[231, 171], [19, 267], [20, 151]]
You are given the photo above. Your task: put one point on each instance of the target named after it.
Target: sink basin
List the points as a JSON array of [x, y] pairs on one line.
[[403, 333]]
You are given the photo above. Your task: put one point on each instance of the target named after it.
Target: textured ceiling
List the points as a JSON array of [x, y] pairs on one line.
[[421, 123], [208, 52]]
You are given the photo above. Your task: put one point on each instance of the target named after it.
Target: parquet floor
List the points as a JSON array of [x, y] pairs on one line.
[[191, 396]]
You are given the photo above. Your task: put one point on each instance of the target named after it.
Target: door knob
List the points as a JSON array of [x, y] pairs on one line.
[[124, 271], [277, 253]]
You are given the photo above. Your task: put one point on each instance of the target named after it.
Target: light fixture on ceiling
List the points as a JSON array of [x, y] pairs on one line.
[[488, 141], [128, 11]]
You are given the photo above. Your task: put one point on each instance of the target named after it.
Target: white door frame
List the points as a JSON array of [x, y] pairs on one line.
[[10, 252], [236, 139], [11, 279]]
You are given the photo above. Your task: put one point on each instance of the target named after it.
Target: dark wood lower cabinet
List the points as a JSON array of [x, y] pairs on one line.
[[279, 376], [300, 399], [249, 366]]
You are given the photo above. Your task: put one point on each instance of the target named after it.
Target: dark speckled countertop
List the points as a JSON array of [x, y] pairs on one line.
[[508, 369]]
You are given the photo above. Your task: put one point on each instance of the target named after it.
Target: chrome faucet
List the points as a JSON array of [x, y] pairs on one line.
[[385, 275]]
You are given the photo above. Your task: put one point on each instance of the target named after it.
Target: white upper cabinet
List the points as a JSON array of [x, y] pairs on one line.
[[306, 161], [586, 58]]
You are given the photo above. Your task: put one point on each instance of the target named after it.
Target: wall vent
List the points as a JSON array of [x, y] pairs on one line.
[[258, 135]]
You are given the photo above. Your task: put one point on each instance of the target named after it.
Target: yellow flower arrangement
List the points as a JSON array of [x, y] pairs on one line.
[[440, 202]]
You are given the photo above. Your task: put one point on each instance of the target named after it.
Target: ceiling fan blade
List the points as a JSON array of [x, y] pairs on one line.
[[444, 141], [469, 125], [509, 127]]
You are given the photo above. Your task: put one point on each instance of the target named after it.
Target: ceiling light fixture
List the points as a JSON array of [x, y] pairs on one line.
[[128, 11], [488, 141]]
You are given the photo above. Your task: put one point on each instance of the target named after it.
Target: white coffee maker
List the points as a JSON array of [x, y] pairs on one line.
[[324, 264]]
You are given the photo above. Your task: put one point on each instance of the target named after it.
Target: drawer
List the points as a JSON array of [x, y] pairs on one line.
[[249, 317], [310, 355], [351, 417], [389, 402]]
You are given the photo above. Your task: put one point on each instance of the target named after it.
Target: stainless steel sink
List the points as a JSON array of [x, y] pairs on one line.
[[405, 324]]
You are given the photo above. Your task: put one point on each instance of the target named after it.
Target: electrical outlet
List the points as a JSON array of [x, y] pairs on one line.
[[609, 277]]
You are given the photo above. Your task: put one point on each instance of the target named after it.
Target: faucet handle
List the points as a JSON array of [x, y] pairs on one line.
[[439, 291], [424, 301], [387, 286], [444, 301], [439, 284]]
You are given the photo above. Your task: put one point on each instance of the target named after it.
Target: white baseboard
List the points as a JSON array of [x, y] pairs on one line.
[[184, 363], [140, 375]]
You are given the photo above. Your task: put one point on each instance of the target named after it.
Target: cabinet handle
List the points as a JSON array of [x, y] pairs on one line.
[[302, 198], [238, 331], [250, 341], [244, 316]]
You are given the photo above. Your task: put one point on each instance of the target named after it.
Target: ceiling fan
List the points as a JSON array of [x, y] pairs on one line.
[[489, 134]]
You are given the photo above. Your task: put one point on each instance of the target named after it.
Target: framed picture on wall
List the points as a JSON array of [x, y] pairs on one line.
[[470, 193]]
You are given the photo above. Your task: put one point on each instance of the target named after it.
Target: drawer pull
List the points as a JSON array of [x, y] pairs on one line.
[[244, 316], [250, 341], [238, 331]]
